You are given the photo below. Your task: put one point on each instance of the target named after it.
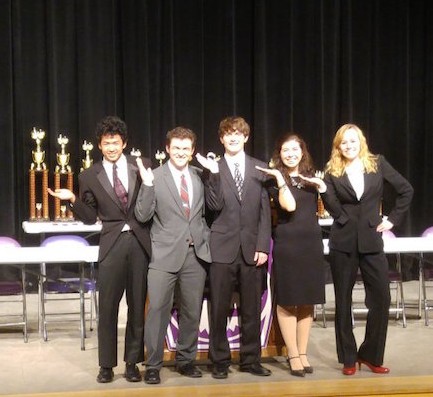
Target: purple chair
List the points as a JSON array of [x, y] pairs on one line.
[[395, 283], [17, 289], [67, 289], [425, 281]]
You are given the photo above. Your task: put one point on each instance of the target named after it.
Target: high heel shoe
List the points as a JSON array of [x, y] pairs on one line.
[[295, 372], [373, 368], [308, 369], [349, 370]]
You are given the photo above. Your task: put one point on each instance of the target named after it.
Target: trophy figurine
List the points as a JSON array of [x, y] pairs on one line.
[[87, 161], [38, 176], [62, 175]]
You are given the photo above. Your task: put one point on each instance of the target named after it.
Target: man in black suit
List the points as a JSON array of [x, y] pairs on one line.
[[239, 242], [108, 191]]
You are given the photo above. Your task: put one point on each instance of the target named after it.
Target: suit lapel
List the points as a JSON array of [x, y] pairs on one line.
[[132, 181], [171, 186], [105, 182], [196, 191]]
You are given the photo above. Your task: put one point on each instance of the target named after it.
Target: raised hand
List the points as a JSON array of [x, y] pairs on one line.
[[209, 162], [275, 173], [146, 174], [316, 180]]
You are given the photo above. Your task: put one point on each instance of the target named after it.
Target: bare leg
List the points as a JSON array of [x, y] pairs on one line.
[[305, 319], [287, 319]]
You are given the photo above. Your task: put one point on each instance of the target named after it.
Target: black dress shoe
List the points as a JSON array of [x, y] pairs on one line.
[[151, 376], [132, 374], [255, 369], [220, 371], [189, 370], [105, 375]]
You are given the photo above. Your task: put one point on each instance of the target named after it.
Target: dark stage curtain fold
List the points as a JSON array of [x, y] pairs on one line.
[[302, 65]]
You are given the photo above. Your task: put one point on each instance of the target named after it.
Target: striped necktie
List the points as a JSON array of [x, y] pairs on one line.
[[238, 180], [184, 195]]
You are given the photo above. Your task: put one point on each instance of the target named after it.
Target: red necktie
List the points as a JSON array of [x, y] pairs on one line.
[[119, 189], [184, 195]]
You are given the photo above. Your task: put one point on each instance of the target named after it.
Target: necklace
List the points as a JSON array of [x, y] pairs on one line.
[[298, 182]]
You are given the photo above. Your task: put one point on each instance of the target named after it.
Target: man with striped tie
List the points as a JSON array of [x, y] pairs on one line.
[[240, 241], [172, 196]]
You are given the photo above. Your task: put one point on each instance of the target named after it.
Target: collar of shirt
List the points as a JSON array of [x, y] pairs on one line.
[[238, 158], [177, 175], [122, 170]]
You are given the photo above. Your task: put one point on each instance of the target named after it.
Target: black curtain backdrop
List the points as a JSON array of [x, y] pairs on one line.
[[302, 65]]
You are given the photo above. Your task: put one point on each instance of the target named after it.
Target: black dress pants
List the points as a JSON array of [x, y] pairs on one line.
[[374, 271]]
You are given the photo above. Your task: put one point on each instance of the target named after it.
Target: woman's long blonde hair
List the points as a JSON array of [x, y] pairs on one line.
[[337, 163]]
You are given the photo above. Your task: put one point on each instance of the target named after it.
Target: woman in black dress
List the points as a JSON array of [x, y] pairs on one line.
[[298, 269]]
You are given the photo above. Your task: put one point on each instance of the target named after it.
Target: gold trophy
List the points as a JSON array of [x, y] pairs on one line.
[[38, 175], [63, 174], [87, 161]]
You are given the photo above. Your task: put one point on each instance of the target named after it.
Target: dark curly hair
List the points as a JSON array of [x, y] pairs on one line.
[[306, 166], [111, 125]]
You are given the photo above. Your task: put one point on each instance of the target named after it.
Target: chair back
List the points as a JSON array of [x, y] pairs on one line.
[[388, 234], [8, 242], [9, 287], [428, 232], [69, 240]]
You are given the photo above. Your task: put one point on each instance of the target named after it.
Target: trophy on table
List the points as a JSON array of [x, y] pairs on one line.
[[38, 177], [63, 175]]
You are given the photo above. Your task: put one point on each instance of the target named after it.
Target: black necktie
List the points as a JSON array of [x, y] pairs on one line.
[[119, 189], [238, 180]]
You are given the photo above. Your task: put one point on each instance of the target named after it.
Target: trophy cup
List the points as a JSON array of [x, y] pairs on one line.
[[160, 156], [62, 175], [38, 175], [87, 161], [135, 152]]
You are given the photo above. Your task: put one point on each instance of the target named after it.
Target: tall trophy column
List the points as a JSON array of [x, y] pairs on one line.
[[63, 178], [38, 177]]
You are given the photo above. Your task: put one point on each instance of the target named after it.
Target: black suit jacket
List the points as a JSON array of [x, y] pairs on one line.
[[355, 222], [238, 224], [97, 199]]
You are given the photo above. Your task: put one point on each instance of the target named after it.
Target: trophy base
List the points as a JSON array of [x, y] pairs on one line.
[[39, 219], [66, 219]]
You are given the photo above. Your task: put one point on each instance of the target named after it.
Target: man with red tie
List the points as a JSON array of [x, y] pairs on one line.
[[172, 196]]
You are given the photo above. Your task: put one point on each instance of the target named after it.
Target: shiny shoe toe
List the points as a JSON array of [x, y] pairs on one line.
[[151, 376], [349, 370], [189, 370], [377, 369], [132, 373], [105, 375], [255, 369], [220, 372]]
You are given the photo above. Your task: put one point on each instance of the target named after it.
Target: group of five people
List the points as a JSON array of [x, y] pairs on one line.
[[157, 240]]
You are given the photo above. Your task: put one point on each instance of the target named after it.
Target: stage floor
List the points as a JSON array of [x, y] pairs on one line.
[[60, 367]]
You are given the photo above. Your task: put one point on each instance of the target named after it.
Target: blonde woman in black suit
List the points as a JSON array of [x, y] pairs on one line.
[[355, 179]]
